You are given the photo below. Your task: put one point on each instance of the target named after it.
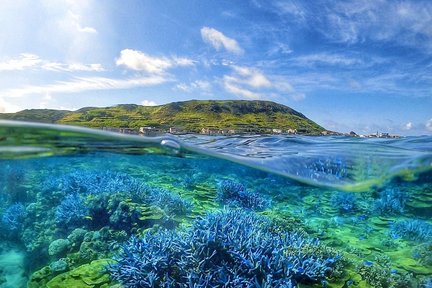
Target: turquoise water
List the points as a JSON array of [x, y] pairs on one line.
[[86, 208]]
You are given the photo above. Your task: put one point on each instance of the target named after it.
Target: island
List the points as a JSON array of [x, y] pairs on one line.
[[212, 117]]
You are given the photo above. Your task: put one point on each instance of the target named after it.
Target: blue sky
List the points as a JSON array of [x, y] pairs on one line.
[[364, 66]]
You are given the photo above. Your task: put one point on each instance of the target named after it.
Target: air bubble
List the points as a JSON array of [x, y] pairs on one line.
[[171, 145]]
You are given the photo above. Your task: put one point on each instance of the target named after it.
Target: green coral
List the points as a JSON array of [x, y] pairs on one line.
[[85, 276]]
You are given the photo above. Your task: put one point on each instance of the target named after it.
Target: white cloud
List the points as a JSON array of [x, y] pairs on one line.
[[198, 85], [280, 48], [234, 89], [250, 76], [403, 22], [80, 84], [295, 9], [218, 40], [30, 61], [408, 126], [326, 58], [75, 21], [428, 125], [24, 61], [251, 83], [139, 61], [243, 80], [54, 66], [148, 103]]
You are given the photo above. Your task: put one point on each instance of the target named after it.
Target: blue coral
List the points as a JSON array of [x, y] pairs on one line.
[[392, 201], [71, 211], [13, 217], [235, 194], [414, 230], [232, 247], [170, 202], [89, 182], [344, 202]]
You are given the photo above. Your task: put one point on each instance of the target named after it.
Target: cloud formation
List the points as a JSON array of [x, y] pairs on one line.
[[139, 61], [428, 125], [25, 61], [148, 103], [405, 23], [75, 21], [218, 40], [327, 58], [28, 61], [251, 83], [198, 85], [408, 126], [80, 84]]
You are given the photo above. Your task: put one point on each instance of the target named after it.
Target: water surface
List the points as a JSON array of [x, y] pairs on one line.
[[71, 197]]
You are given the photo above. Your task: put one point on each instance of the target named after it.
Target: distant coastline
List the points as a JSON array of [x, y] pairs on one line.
[[210, 117]]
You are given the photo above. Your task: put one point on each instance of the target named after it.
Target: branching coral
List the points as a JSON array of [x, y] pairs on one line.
[[414, 230], [89, 182], [423, 253], [344, 202], [380, 275], [233, 248], [71, 211], [171, 203], [392, 201], [13, 216], [111, 199], [236, 195]]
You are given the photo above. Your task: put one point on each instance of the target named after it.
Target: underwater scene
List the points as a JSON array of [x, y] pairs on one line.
[[88, 208]]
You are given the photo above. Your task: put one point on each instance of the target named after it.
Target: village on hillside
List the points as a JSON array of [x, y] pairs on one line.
[[156, 131], [151, 131]]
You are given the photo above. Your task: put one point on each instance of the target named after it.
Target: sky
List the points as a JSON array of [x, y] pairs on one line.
[[362, 66]]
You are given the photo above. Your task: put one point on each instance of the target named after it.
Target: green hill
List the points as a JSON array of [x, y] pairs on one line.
[[192, 116]]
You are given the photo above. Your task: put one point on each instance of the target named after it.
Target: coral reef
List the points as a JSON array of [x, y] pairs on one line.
[[13, 217], [71, 211], [379, 274], [92, 182], [58, 247], [423, 253], [392, 201], [344, 202], [412, 229], [88, 275], [235, 194], [232, 246], [171, 203]]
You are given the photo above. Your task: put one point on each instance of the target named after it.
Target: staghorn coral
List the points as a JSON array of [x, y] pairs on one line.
[[170, 202], [13, 217], [344, 202], [236, 195], [423, 253], [231, 247], [414, 230], [71, 211], [392, 201], [92, 182]]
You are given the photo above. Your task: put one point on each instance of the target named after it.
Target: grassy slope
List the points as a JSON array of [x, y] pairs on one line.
[[190, 115], [36, 115]]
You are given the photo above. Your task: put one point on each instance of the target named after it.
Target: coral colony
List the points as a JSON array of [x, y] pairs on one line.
[[231, 246], [235, 194], [240, 228]]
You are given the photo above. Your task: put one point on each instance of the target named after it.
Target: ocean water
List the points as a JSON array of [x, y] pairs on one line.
[[87, 208]]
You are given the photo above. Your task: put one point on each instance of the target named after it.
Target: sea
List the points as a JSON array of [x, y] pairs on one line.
[[88, 208]]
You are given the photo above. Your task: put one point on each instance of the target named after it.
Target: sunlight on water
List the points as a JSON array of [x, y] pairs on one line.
[[80, 206]]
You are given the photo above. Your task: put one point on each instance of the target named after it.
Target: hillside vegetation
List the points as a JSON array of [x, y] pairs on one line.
[[192, 116]]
